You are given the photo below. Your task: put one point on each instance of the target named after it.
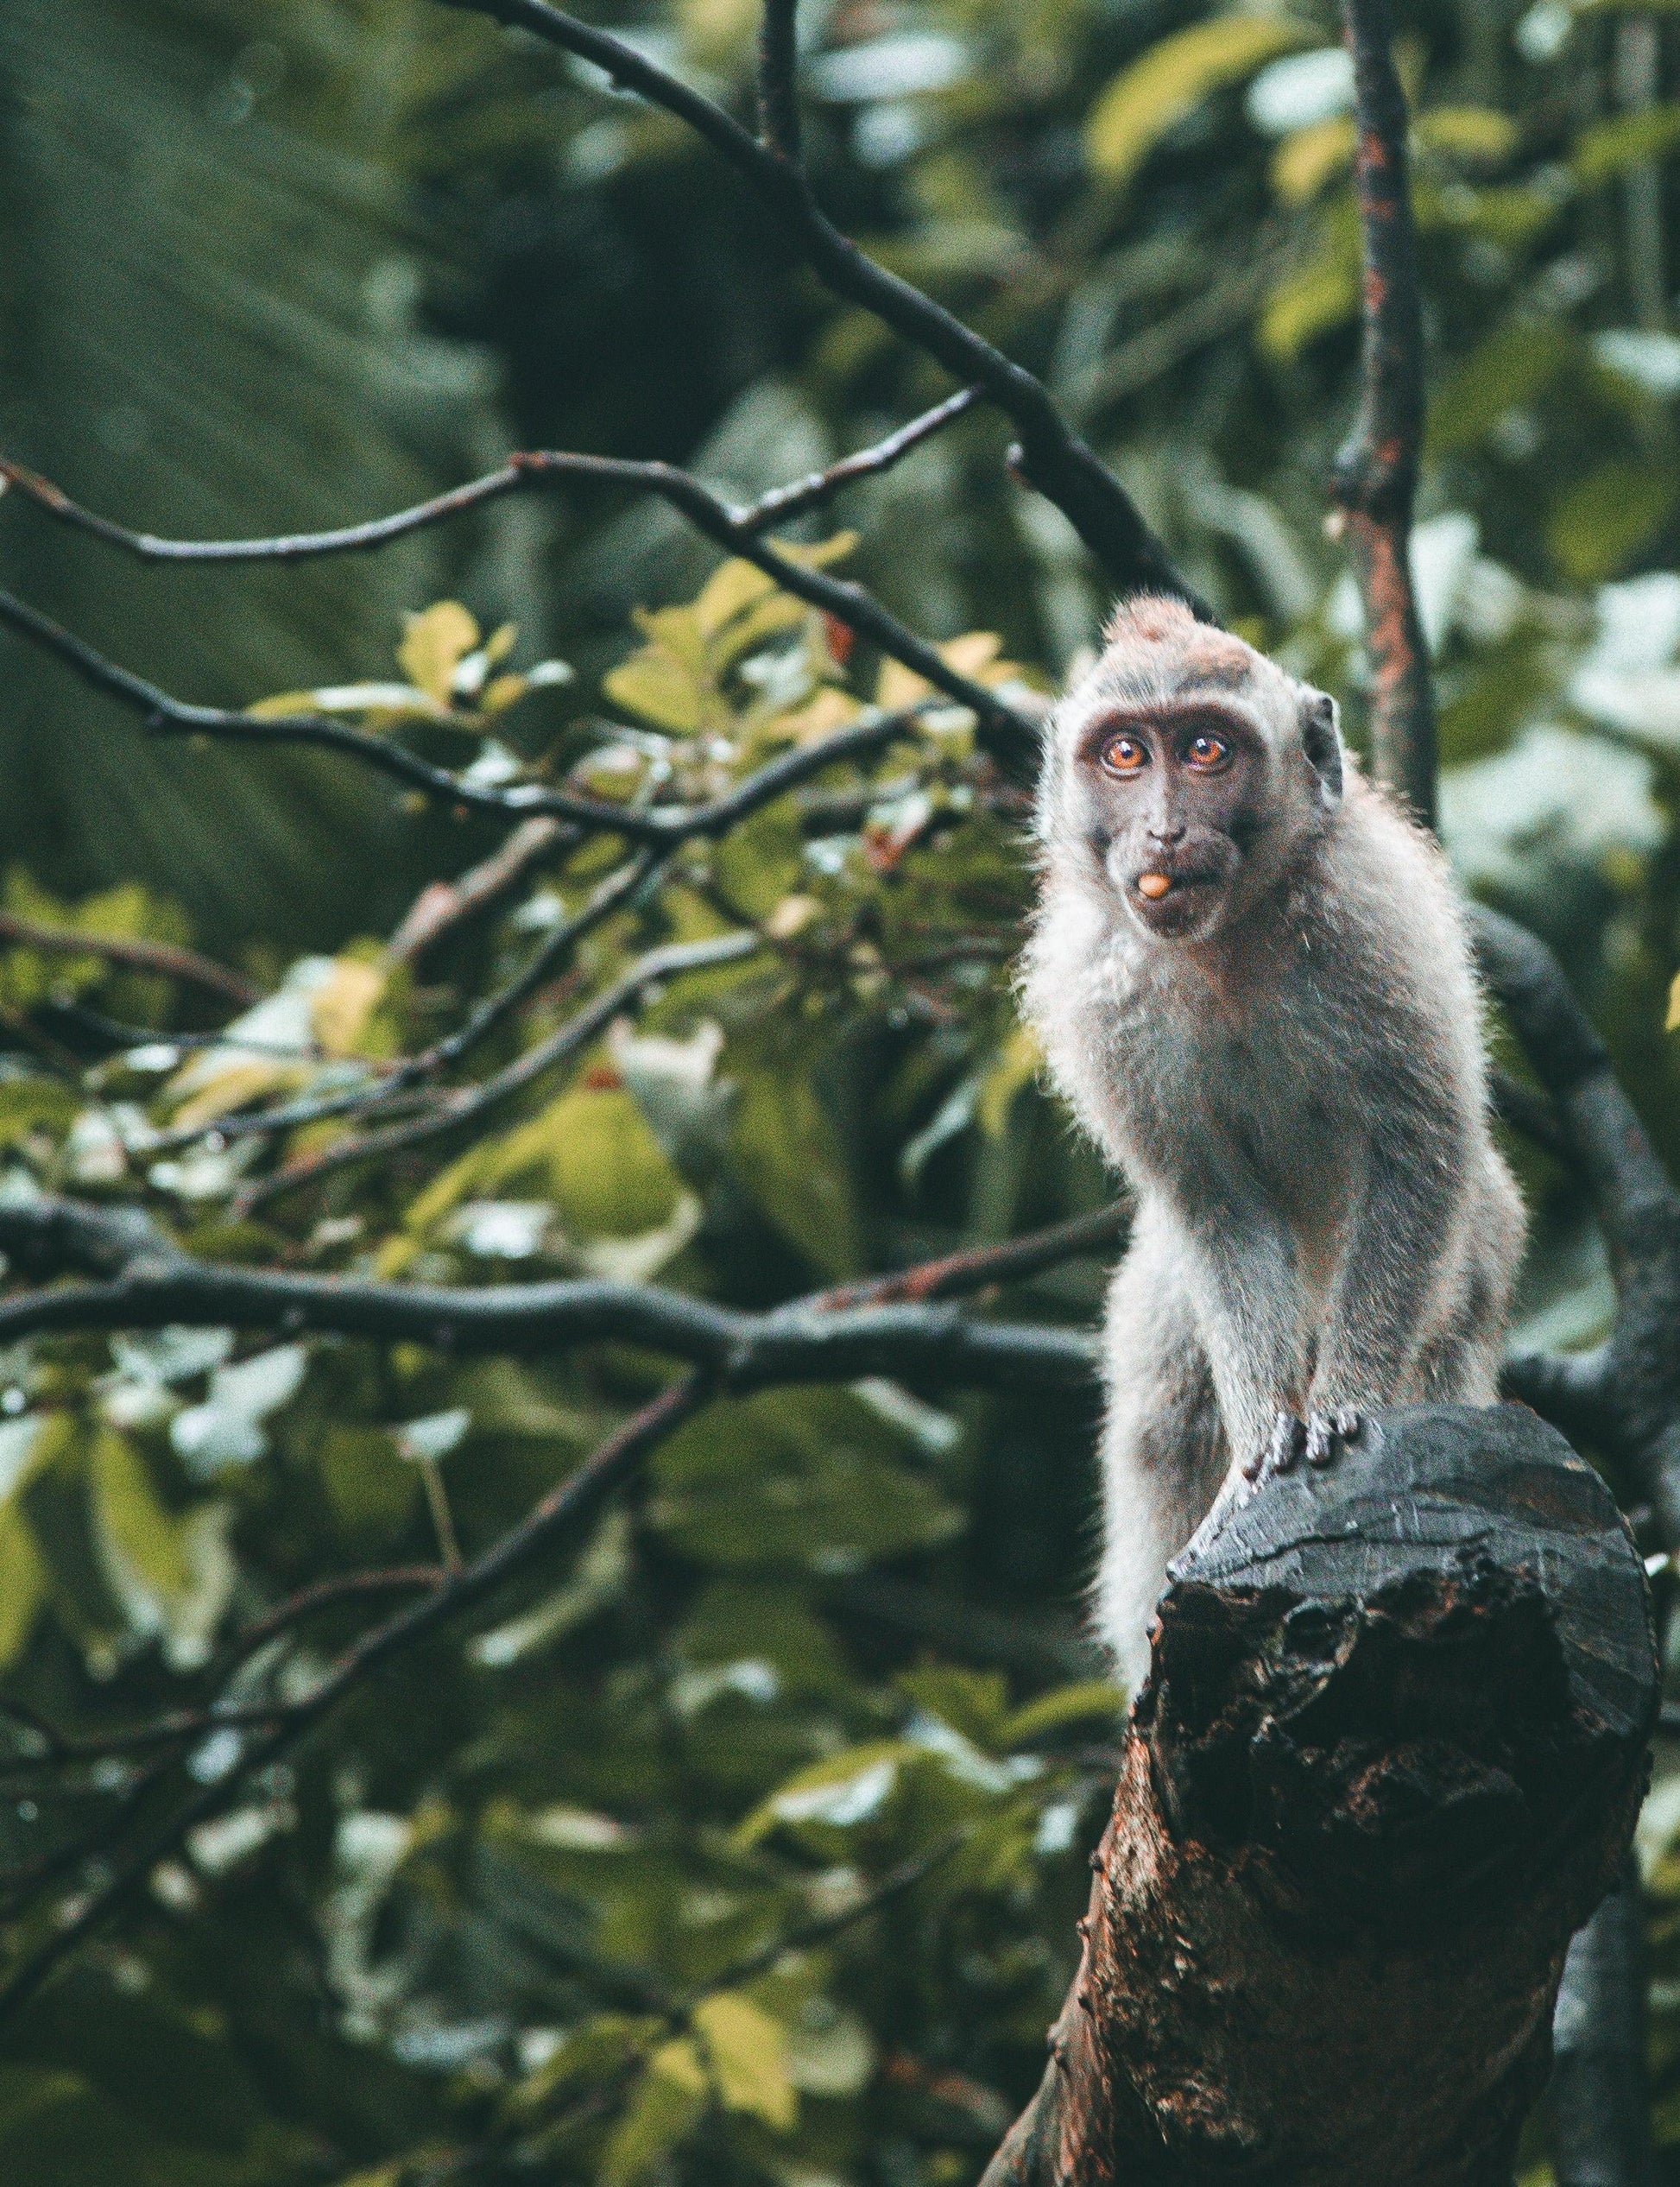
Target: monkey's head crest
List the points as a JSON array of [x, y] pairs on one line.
[[1184, 774]]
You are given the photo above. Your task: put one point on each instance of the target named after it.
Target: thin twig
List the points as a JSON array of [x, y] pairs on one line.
[[442, 906], [984, 1266], [166, 958], [782, 503], [470, 1105]]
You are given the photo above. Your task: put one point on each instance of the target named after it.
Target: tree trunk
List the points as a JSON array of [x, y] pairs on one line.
[[1388, 1760]]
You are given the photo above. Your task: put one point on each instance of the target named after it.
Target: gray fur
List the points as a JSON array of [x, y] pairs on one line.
[[1296, 1092]]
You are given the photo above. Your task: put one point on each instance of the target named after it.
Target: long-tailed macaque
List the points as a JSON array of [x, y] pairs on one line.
[[1251, 975]]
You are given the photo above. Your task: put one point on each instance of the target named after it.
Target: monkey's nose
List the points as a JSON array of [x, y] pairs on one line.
[[1168, 832]]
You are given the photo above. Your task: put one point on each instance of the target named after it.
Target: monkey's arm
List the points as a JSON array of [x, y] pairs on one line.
[[1398, 1255], [1244, 1284]]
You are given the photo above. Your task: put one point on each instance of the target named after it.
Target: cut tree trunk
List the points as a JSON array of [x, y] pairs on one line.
[[1388, 1760]]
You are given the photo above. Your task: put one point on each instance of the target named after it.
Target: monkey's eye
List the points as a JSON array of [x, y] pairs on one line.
[[1124, 755], [1206, 753]]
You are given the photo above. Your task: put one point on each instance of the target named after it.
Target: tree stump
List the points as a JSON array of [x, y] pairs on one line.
[[1388, 1758]]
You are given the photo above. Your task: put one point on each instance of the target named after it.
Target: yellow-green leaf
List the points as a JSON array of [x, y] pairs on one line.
[[1016, 1062], [668, 2098], [1313, 298], [1309, 158], [748, 2052], [729, 591], [434, 642], [340, 1007], [590, 1152], [1478, 136], [23, 1581], [1600, 523], [1156, 92], [144, 1551], [654, 685], [1091, 1698]]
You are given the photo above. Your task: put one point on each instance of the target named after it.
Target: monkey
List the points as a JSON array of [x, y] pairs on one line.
[[1252, 979]]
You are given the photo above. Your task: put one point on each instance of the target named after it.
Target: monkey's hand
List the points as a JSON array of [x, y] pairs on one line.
[[1319, 1439]]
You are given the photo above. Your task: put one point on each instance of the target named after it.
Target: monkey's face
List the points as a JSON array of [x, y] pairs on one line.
[[1184, 774], [1176, 800]]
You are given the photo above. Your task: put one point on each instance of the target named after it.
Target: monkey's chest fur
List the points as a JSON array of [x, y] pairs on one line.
[[1222, 1094]]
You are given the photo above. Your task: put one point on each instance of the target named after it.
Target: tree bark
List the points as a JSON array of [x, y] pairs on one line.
[[1388, 1760]]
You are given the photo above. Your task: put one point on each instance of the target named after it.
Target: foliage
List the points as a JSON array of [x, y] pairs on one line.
[[519, 1904]]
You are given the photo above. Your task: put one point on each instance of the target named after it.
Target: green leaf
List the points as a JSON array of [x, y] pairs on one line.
[[1606, 149], [1156, 92], [658, 688], [369, 1488], [1477, 136], [22, 1582], [1511, 367], [793, 1479], [836, 1794], [590, 1152], [1316, 295], [789, 1156], [1599, 524], [1093, 1700]]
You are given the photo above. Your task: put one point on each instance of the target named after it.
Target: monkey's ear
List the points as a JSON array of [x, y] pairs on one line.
[[1321, 740]]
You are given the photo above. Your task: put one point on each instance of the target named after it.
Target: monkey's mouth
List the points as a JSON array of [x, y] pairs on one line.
[[1155, 884], [1177, 902]]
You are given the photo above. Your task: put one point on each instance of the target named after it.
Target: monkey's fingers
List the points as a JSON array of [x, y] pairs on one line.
[[1288, 1439], [1327, 1432]]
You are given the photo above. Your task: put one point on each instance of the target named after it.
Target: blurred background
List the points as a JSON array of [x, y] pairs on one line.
[[270, 265]]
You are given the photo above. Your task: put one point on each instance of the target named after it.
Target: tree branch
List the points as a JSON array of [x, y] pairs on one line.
[[142, 1281], [1375, 474], [1062, 467], [1601, 2103], [778, 74], [163, 715], [1625, 1400]]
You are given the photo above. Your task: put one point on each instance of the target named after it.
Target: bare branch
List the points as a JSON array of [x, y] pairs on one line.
[[1375, 475], [1624, 1400], [1599, 2098], [779, 505], [984, 1266], [782, 503]]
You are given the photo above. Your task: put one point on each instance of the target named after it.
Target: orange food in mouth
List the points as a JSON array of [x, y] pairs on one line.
[[1153, 884]]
